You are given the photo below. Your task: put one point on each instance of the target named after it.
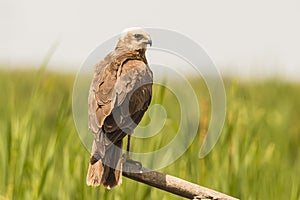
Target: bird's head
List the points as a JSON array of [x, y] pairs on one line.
[[135, 39]]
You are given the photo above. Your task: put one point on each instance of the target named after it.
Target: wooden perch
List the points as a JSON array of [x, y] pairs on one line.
[[170, 183]]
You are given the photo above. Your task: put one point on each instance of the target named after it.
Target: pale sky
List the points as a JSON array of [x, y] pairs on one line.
[[245, 38]]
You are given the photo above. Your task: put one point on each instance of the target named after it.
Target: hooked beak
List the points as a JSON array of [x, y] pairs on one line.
[[149, 41]]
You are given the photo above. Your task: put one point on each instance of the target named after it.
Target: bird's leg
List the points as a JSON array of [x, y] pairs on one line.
[[128, 148], [127, 155]]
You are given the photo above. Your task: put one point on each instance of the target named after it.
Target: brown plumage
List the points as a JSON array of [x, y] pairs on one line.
[[119, 95]]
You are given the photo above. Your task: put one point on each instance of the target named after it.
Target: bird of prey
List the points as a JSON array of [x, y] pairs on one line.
[[119, 95]]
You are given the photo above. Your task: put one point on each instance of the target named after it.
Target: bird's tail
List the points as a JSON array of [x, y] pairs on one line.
[[95, 170], [108, 172]]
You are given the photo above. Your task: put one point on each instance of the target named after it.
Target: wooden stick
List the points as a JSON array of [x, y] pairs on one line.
[[169, 183]]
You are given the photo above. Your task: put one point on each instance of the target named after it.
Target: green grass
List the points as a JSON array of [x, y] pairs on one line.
[[42, 157]]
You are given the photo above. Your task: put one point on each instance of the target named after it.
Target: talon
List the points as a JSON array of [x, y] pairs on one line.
[[128, 156], [136, 163]]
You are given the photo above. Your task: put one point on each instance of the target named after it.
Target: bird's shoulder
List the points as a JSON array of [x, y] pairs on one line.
[[132, 75], [116, 75]]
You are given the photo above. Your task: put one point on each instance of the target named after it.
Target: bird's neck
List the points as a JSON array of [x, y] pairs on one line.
[[124, 55]]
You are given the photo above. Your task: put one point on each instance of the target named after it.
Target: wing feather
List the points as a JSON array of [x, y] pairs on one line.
[[118, 99], [133, 95]]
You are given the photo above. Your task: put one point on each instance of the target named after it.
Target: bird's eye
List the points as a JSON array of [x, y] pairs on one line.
[[138, 36]]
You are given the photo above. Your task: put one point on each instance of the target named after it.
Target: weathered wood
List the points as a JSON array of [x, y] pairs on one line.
[[170, 183]]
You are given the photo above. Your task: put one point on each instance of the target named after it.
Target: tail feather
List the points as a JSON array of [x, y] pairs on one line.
[[114, 178], [95, 170], [111, 173], [95, 173]]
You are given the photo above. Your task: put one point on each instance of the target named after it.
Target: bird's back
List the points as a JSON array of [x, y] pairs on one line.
[[119, 96]]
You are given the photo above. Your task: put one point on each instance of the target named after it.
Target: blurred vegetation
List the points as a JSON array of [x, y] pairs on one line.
[[42, 157]]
